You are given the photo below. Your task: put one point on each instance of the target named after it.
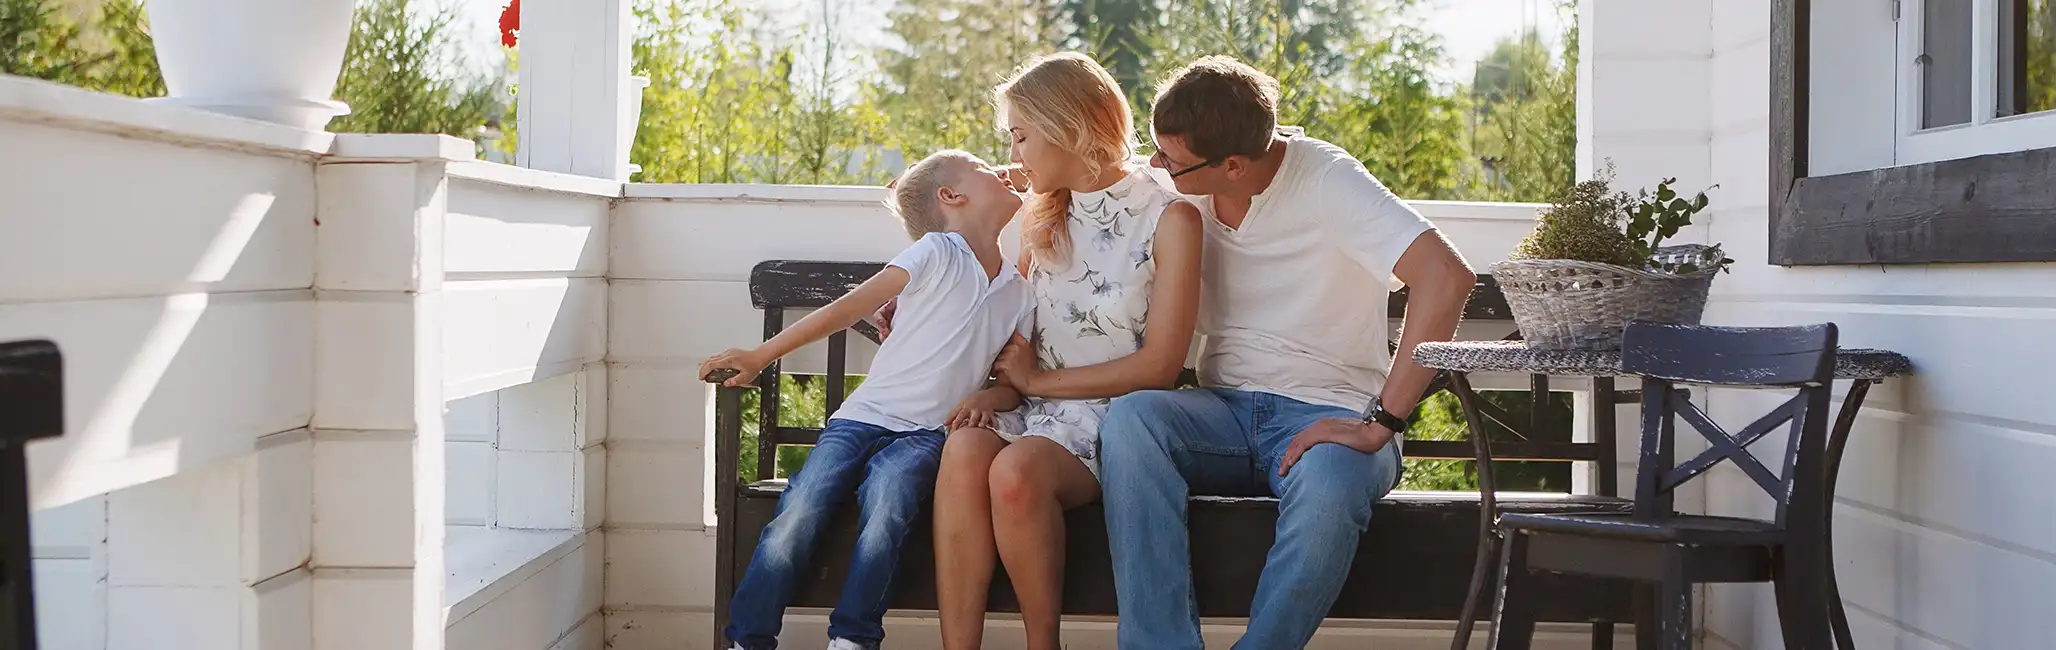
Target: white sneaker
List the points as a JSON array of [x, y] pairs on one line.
[[843, 644]]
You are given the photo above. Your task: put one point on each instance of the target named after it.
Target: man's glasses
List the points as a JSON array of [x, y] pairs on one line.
[[1165, 163]]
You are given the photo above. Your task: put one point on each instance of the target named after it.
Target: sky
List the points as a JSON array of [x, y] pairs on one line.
[[1468, 28]]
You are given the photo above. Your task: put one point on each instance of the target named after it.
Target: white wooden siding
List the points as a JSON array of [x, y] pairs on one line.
[[1942, 530]]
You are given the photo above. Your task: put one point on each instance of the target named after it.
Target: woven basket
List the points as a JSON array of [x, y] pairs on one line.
[[1575, 305]]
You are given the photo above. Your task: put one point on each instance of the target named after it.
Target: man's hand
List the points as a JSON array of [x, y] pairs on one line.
[[1016, 365], [746, 364], [884, 318], [1367, 438]]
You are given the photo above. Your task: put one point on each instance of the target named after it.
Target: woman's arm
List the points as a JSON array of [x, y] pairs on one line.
[[835, 317], [1167, 339]]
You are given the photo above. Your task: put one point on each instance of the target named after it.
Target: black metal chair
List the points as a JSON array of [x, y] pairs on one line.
[[1674, 551]]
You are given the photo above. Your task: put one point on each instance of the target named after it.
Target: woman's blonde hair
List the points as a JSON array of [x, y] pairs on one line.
[[912, 196], [1068, 98]]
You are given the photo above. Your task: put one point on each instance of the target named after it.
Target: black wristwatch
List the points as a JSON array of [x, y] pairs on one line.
[[1376, 413]]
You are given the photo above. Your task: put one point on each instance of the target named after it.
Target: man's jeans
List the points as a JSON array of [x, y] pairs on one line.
[[897, 469], [1157, 447]]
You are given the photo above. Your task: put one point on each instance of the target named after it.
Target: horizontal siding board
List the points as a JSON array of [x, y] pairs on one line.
[[156, 386], [499, 333], [658, 403], [541, 609], [183, 219], [503, 229], [684, 322], [1962, 592]]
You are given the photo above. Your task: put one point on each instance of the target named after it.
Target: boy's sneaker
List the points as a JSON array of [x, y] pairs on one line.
[[845, 644]]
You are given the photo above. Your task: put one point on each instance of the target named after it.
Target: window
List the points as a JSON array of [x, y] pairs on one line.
[[1975, 78], [1912, 131]]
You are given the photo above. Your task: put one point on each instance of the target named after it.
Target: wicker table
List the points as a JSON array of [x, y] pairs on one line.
[[1862, 367]]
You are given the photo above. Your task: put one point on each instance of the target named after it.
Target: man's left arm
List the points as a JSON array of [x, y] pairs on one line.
[[1438, 282]]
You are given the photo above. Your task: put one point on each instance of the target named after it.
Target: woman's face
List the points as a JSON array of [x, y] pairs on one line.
[[1047, 166]]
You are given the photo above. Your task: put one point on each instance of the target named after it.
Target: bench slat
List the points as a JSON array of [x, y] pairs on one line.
[[1413, 563]]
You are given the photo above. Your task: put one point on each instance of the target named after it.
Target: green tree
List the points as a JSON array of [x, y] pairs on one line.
[[129, 65], [1407, 129], [402, 74], [937, 81], [36, 41], [1117, 33], [1528, 135]]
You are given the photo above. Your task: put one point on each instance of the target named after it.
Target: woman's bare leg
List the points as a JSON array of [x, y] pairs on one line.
[[1033, 482], [964, 552]]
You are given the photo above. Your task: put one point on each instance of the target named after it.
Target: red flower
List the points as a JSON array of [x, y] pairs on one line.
[[510, 23]]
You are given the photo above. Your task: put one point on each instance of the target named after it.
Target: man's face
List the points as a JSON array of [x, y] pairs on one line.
[[1191, 174]]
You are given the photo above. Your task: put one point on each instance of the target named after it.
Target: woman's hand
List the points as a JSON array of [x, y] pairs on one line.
[[746, 364], [1016, 365]]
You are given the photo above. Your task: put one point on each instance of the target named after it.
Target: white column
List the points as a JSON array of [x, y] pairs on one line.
[[573, 107], [378, 425]]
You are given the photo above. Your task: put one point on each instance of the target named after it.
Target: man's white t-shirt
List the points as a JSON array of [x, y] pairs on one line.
[[950, 324], [1293, 301]]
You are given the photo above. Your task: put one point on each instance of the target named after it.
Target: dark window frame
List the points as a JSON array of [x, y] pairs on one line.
[[1989, 208]]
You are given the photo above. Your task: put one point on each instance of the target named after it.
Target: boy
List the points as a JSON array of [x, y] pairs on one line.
[[958, 304]]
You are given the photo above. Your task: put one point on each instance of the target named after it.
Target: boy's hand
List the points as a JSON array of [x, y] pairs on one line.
[[980, 410], [745, 363], [968, 416], [1016, 365], [884, 318]]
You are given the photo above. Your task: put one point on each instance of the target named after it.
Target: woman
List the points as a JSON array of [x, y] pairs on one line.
[[1113, 258]]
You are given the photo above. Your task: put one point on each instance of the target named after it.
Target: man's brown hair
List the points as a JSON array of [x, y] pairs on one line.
[[1220, 106]]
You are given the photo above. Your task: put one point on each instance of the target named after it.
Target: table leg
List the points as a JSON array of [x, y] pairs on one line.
[[1838, 439], [1482, 568]]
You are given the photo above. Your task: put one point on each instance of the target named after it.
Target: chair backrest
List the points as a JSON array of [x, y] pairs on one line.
[[1800, 357]]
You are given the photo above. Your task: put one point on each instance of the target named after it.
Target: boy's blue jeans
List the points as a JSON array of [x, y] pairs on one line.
[[897, 472], [1157, 447]]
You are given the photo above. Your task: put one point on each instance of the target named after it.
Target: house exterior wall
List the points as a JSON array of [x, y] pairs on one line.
[[1942, 531]]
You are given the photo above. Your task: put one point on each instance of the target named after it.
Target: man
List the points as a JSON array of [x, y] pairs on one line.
[[1301, 242]]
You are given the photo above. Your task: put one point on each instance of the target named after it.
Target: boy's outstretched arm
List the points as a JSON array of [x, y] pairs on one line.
[[835, 317]]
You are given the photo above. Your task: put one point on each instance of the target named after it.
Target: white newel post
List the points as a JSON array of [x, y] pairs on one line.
[[261, 59], [378, 469], [575, 86]]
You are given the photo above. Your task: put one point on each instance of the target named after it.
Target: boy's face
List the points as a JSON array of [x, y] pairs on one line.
[[986, 193]]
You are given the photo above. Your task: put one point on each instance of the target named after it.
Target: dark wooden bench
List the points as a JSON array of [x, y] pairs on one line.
[[1415, 562]]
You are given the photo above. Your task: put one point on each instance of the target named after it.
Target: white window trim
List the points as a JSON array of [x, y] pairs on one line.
[[1985, 133]]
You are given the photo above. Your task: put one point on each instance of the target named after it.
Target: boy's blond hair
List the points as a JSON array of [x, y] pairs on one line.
[[912, 196]]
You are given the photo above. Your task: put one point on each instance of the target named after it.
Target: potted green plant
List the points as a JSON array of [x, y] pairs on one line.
[[1597, 260]]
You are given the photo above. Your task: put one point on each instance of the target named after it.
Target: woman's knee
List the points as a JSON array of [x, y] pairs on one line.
[[968, 454], [1017, 481]]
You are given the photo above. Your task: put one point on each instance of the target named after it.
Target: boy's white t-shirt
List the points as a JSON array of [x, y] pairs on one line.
[[950, 324], [1293, 302]]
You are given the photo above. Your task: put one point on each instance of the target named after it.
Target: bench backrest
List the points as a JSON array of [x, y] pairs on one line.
[[777, 286]]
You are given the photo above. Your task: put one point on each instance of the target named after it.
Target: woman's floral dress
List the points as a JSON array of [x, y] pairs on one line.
[[1092, 308]]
